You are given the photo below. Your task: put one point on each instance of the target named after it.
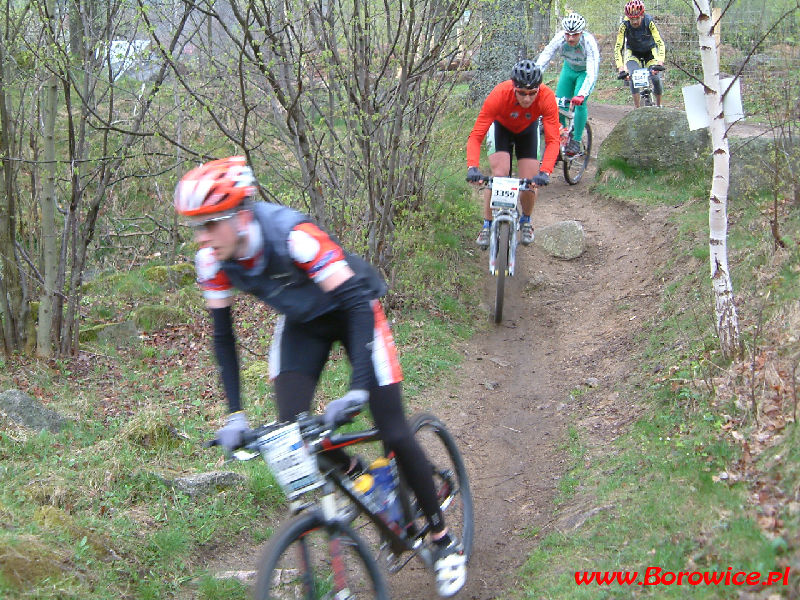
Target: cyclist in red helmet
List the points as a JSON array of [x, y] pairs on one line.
[[639, 45], [324, 295], [508, 122]]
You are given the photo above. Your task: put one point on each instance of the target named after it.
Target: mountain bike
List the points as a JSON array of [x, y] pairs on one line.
[[642, 81], [317, 553], [574, 165], [504, 234]]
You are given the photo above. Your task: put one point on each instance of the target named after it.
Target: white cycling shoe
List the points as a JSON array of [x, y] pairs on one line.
[[450, 566]]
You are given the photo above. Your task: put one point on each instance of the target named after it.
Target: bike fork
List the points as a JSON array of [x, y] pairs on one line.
[[493, 248], [512, 248]]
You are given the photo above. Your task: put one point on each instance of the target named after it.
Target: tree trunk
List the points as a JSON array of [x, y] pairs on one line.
[[44, 330], [10, 284], [725, 308]]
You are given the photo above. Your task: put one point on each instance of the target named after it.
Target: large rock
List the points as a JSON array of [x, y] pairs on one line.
[[564, 239], [207, 483], [654, 138], [29, 412]]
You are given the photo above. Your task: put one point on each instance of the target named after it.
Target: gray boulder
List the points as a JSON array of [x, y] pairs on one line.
[[654, 138], [564, 239], [203, 484], [29, 412]]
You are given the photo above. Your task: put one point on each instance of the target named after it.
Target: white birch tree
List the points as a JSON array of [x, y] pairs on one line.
[[726, 322]]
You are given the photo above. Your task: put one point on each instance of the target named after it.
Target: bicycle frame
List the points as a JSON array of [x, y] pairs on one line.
[[399, 539]]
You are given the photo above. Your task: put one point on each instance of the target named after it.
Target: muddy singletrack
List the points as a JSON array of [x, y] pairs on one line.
[[568, 325]]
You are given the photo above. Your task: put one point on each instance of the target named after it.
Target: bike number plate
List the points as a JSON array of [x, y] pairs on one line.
[[505, 191], [293, 465], [641, 78]]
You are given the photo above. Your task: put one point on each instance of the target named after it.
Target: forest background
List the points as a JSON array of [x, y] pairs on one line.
[[351, 114]]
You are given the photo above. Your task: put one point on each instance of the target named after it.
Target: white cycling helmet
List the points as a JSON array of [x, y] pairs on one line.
[[573, 23]]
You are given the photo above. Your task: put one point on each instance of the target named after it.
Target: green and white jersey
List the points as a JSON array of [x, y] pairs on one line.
[[585, 56]]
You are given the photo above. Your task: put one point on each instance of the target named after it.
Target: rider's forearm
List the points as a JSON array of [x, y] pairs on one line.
[[227, 358], [549, 51], [592, 66], [660, 50], [618, 48]]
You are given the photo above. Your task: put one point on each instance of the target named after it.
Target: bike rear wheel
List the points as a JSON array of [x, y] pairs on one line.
[[501, 267], [310, 558], [574, 166], [449, 476]]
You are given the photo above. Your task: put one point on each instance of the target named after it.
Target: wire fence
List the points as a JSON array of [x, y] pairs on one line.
[[761, 43]]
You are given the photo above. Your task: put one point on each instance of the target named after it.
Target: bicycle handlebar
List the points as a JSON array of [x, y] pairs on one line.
[[625, 74], [488, 180], [312, 428]]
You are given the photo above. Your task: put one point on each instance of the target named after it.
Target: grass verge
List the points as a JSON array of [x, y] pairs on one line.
[[705, 480]]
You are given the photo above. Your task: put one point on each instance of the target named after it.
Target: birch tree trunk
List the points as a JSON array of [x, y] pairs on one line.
[[725, 309]]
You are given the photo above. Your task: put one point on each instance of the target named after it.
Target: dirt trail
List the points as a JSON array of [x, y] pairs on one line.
[[565, 323]]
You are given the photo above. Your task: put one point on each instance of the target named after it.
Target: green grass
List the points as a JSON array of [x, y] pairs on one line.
[[669, 506]]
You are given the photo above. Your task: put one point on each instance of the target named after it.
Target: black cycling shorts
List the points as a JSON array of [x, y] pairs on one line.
[[525, 143], [304, 346]]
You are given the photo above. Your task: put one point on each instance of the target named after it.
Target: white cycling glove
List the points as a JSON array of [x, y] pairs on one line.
[[352, 399]]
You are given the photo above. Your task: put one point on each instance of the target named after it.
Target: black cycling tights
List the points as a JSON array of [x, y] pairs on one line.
[[294, 392]]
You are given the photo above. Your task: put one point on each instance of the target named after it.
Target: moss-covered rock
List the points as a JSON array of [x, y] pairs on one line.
[[189, 298], [152, 317], [151, 430], [655, 138], [26, 560], [111, 333], [89, 334], [183, 274], [55, 519]]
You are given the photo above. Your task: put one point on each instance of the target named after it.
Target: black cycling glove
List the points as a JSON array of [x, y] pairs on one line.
[[474, 175], [541, 179]]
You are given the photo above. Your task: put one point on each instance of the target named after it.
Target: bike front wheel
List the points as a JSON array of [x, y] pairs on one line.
[[311, 558], [501, 268], [449, 476], [574, 166]]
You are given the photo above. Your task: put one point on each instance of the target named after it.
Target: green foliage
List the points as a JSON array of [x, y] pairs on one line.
[[676, 453], [211, 588], [617, 179]]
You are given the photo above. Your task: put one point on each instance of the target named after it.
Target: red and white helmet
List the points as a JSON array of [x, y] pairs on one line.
[[215, 187], [634, 9]]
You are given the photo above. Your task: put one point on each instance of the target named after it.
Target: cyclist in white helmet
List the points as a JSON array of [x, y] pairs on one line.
[[579, 73]]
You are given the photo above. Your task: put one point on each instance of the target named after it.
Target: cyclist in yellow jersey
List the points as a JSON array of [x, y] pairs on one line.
[[639, 45]]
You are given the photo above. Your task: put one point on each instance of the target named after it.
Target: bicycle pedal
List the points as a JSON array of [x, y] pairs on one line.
[[392, 561]]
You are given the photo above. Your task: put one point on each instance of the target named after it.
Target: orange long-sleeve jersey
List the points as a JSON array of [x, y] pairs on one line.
[[501, 105]]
